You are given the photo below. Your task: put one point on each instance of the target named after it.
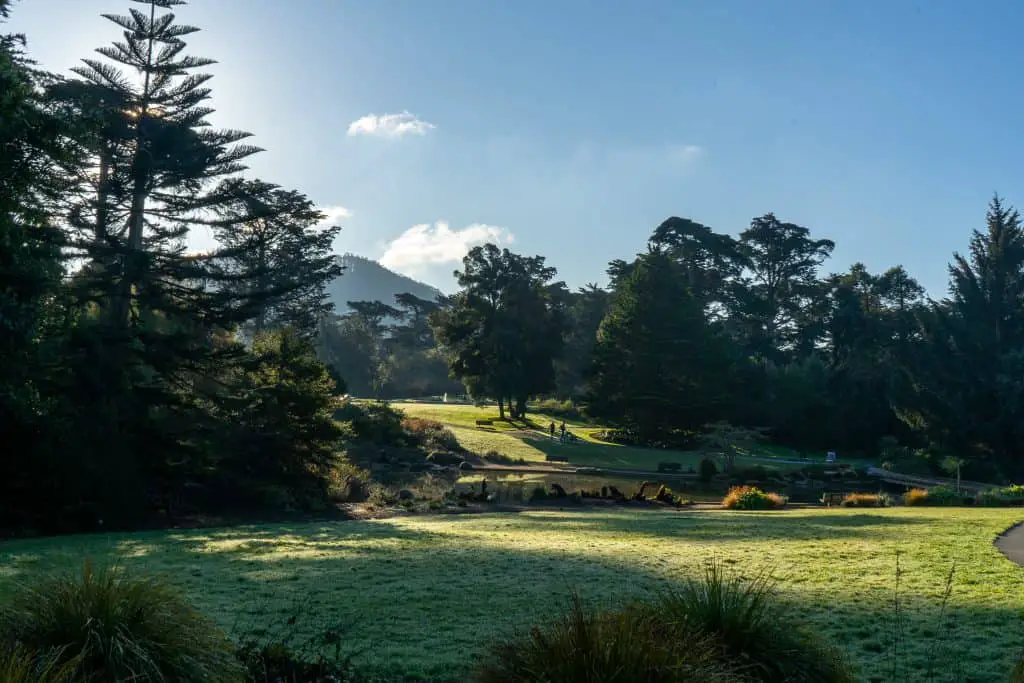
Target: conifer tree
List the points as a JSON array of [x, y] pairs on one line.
[[156, 165], [275, 253]]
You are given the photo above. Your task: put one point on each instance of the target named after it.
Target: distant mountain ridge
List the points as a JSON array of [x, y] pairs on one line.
[[366, 280]]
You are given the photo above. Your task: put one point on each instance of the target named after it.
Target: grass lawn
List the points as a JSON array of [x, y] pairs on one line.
[[533, 445], [426, 594]]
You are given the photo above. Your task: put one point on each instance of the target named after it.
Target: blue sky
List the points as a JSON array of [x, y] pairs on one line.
[[572, 128]]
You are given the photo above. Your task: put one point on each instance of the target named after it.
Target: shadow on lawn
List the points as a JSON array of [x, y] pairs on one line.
[[725, 526], [426, 601], [423, 605]]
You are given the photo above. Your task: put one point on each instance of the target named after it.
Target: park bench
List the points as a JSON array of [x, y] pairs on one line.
[[829, 499], [669, 466], [556, 458], [484, 423]]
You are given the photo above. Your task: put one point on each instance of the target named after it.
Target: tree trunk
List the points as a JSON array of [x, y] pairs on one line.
[[501, 408]]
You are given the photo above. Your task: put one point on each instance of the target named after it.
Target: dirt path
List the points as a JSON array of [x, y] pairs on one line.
[[1011, 543]]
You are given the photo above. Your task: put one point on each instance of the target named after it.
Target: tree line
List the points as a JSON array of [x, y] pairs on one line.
[[753, 330], [140, 379]]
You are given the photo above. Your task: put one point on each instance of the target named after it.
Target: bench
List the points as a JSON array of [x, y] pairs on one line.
[[829, 499], [484, 423], [556, 458], [669, 466]]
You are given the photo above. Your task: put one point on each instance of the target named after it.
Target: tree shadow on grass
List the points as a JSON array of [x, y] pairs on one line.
[[722, 525], [425, 597]]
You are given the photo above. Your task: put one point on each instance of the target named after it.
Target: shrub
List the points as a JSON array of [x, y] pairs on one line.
[[109, 626], [746, 622], [915, 497], [623, 646], [375, 422], [502, 459], [708, 469], [752, 498], [1004, 496], [717, 628], [940, 495], [347, 483], [865, 500], [430, 434], [556, 408], [945, 495]]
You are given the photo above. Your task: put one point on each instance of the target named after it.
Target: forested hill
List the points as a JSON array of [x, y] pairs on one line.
[[366, 280]]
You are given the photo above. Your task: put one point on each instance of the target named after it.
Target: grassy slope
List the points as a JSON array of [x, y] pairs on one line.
[[427, 593], [508, 439]]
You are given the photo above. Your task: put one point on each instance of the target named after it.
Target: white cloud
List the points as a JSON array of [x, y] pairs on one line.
[[389, 125], [334, 215], [423, 246], [686, 153]]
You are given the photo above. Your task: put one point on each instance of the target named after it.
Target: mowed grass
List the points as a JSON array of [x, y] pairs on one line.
[[426, 595], [517, 440]]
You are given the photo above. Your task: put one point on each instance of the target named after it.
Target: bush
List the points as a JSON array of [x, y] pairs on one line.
[[746, 622], [501, 459], [109, 626], [430, 434], [375, 422], [915, 497], [715, 629], [347, 483], [752, 498], [708, 470], [865, 500], [556, 408], [623, 646], [940, 495], [1002, 497]]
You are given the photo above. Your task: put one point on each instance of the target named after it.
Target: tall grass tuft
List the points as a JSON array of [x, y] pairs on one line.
[[18, 665], [109, 626], [748, 624], [621, 646]]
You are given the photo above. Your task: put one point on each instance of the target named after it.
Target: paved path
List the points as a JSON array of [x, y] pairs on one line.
[[1011, 543]]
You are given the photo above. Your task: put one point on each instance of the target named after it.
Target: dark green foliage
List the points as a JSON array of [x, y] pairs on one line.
[[109, 626], [283, 436], [504, 330], [623, 646], [124, 380], [584, 311], [274, 252], [375, 422], [659, 367], [960, 394]]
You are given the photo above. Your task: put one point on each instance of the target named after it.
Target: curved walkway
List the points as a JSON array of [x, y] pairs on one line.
[[1011, 543]]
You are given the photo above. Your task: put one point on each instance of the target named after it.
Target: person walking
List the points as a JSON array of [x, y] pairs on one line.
[[563, 430], [552, 430]]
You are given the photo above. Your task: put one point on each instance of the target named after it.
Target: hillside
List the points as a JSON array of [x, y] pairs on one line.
[[367, 280]]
